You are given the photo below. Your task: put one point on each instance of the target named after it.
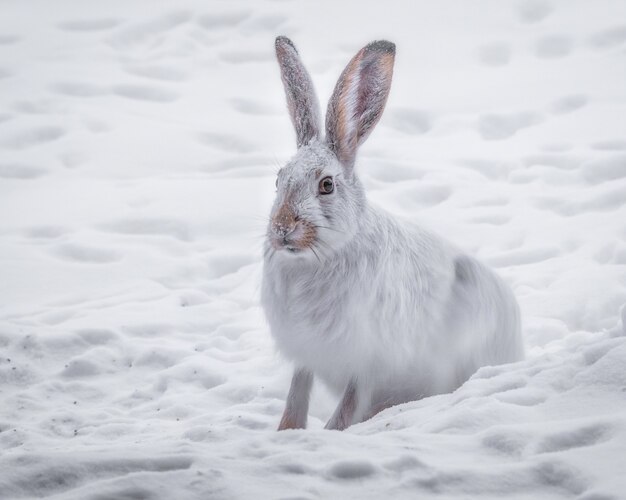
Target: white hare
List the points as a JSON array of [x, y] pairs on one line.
[[380, 310]]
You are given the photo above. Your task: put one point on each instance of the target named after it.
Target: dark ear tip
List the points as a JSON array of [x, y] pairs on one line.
[[283, 40], [383, 46]]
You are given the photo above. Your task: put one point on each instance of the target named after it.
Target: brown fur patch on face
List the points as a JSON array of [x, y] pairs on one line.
[[308, 238]]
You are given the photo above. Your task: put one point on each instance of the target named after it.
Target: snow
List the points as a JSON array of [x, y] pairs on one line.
[[138, 147]]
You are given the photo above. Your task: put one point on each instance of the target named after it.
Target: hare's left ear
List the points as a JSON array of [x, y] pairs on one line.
[[302, 102], [359, 99]]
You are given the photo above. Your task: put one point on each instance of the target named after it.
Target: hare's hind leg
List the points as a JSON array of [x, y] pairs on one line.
[[345, 412], [297, 406]]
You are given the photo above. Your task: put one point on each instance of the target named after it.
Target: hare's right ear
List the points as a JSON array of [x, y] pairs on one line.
[[359, 99], [302, 102]]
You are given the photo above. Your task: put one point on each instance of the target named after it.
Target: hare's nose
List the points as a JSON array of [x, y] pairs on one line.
[[284, 228], [285, 221]]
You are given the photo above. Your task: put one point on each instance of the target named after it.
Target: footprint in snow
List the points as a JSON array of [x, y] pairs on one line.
[[143, 93], [226, 142], [8, 39], [45, 232], [351, 469], [575, 438], [222, 20], [523, 256], [79, 89], [533, 11], [20, 171], [603, 200], [270, 23], [35, 136], [553, 46], [495, 126], [150, 227], [491, 169], [83, 25], [410, 121], [423, 195], [498, 219], [241, 56], [129, 37], [608, 38], [608, 168], [610, 145], [251, 107], [568, 103], [154, 72], [85, 254], [494, 54]]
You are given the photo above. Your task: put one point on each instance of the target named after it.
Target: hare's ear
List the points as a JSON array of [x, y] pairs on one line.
[[359, 99], [302, 102]]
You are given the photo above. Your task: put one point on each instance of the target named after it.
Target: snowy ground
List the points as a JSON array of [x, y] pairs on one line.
[[138, 146]]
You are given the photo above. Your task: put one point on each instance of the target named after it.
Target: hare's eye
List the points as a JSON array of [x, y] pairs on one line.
[[327, 185]]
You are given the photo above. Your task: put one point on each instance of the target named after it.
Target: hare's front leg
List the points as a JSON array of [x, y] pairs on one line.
[[297, 406], [345, 412]]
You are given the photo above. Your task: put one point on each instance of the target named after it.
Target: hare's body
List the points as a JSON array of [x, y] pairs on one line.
[[396, 308], [380, 310]]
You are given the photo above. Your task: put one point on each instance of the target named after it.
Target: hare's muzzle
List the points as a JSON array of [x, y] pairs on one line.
[[290, 232]]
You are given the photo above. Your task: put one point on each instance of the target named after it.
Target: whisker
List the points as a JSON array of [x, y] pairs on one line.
[[312, 247], [326, 227]]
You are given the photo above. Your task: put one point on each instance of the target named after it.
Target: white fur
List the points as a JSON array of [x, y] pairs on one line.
[[379, 302]]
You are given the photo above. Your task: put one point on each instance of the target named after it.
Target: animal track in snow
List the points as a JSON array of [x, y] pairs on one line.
[[150, 227], [533, 11], [143, 93], [506, 442], [32, 137], [45, 232], [610, 145], [495, 127], [270, 22], [424, 194], [250, 107], [134, 35], [494, 54], [603, 200], [79, 89], [245, 56], [97, 336], [82, 253], [409, 121], [523, 256], [492, 169], [498, 219], [89, 24], [154, 72], [555, 160], [569, 103], [575, 438], [351, 469], [604, 169], [20, 171], [222, 20], [553, 46], [8, 39], [226, 142], [608, 38]]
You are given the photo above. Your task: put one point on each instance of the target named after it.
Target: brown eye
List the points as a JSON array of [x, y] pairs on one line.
[[327, 185]]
